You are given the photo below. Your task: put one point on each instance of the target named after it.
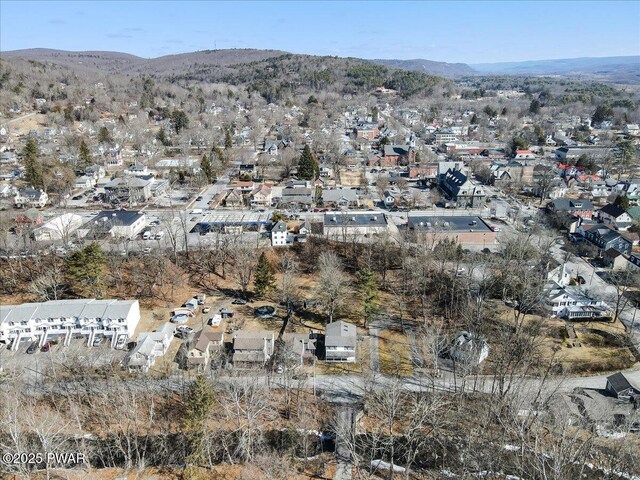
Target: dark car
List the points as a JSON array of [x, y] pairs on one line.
[[46, 347], [32, 348], [239, 301], [199, 199]]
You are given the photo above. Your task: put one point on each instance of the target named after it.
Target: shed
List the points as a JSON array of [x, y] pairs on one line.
[[619, 387]]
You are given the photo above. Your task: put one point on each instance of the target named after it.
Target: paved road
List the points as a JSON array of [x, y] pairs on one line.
[[13, 120], [374, 347], [345, 429]]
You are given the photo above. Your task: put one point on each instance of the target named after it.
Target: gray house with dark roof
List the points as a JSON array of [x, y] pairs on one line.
[[340, 342], [456, 186], [252, 348], [580, 207], [615, 216], [604, 238], [619, 387]]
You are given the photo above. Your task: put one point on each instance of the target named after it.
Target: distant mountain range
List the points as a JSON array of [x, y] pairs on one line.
[[568, 66], [126, 63], [604, 68], [443, 69]]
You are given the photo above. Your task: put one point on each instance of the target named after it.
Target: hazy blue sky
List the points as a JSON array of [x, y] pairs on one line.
[[470, 32]]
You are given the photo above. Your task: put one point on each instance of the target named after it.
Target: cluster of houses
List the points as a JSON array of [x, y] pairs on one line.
[[606, 228], [245, 348]]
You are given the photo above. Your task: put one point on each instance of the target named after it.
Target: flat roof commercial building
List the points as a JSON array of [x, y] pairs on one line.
[[340, 225], [464, 230]]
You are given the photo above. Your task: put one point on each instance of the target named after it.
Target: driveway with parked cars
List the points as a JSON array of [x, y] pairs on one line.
[[47, 359]]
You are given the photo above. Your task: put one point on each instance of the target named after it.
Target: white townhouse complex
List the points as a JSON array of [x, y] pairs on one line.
[[62, 319]]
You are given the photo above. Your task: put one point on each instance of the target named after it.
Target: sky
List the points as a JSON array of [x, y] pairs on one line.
[[467, 32]]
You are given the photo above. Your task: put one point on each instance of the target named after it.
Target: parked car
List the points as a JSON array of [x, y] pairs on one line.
[[46, 347], [97, 341], [32, 348], [239, 301], [199, 198], [147, 251], [183, 331], [215, 321], [206, 309]]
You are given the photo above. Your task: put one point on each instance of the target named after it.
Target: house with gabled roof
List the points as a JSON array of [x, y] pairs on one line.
[[605, 238], [457, 187], [619, 386], [204, 344], [340, 342], [261, 196], [393, 155], [30, 197], [615, 216], [279, 234], [339, 197], [580, 207], [575, 303], [252, 348]]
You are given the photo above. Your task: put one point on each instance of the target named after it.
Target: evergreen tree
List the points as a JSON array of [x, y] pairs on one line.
[[622, 201], [534, 106], [84, 157], [490, 112], [228, 139], [374, 114], [367, 286], [265, 278], [34, 172], [197, 406], [308, 166], [180, 120], [207, 169], [504, 111], [518, 143], [602, 113], [104, 135], [474, 120], [219, 153], [85, 271], [161, 136]]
